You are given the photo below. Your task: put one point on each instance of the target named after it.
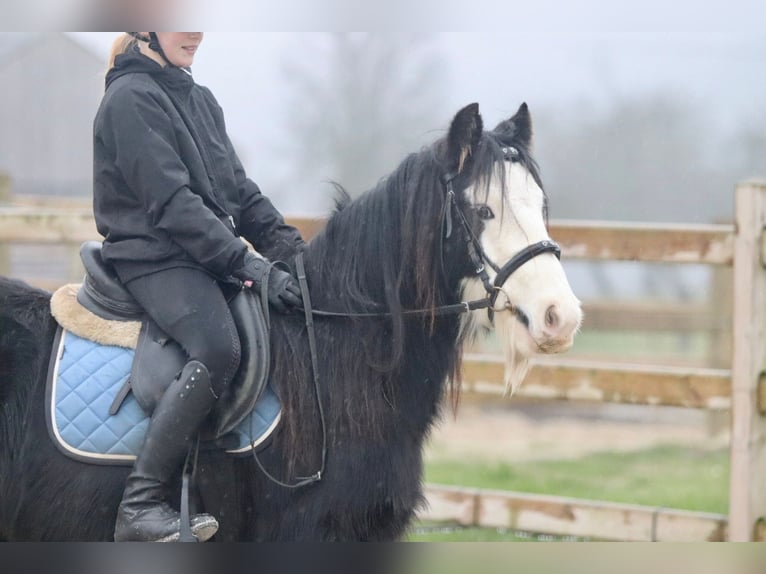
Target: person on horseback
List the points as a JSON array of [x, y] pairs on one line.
[[172, 200]]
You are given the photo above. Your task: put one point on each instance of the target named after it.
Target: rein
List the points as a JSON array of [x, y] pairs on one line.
[[300, 481]]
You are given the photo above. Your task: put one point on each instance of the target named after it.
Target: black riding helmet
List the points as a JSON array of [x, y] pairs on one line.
[[154, 43]]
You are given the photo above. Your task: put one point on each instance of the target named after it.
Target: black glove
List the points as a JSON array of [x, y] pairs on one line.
[[283, 290]]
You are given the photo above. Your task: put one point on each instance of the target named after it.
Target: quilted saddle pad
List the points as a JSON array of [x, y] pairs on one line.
[[83, 380]]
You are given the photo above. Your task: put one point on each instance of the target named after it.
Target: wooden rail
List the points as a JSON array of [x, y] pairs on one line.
[[647, 242], [653, 316], [35, 225], [30, 225], [712, 244], [604, 382], [570, 516]]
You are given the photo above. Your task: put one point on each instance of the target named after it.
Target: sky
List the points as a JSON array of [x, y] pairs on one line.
[[559, 68]]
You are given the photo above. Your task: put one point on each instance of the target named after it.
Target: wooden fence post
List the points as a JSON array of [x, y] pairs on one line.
[[5, 197], [5, 187], [719, 353], [747, 495]]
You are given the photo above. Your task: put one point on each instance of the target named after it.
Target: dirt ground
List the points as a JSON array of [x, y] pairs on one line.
[[515, 430]]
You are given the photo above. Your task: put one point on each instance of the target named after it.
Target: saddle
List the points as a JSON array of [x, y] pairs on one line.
[[157, 359]]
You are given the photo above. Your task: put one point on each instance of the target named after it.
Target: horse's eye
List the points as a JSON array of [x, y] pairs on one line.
[[485, 212], [511, 154]]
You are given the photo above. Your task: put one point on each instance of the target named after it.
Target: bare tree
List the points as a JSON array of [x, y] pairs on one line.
[[358, 103], [646, 158], [750, 147], [651, 158]]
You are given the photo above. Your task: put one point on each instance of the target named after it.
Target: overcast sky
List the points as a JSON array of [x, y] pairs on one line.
[[723, 72], [500, 70]]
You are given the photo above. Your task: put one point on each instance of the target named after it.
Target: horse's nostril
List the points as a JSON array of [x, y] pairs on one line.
[[551, 317]]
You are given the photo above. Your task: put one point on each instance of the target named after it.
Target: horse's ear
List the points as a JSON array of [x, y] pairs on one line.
[[464, 135], [522, 121]]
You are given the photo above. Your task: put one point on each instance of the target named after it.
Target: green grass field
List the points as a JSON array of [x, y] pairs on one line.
[[671, 476]]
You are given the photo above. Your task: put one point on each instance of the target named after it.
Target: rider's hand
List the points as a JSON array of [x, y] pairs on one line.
[[283, 290]]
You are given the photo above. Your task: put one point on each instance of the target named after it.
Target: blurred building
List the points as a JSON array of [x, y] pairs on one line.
[[51, 87]]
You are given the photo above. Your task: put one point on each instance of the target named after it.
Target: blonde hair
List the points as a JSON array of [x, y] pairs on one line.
[[121, 44]]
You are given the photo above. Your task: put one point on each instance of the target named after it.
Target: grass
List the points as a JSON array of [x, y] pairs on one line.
[[671, 476], [441, 533]]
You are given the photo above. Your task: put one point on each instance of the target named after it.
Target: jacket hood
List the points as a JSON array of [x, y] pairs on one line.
[[134, 62]]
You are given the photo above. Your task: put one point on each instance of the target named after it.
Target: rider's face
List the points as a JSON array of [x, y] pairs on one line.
[[180, 47]]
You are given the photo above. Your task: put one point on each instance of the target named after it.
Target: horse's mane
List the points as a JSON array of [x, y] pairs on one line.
[[386, 252], [22, 304]]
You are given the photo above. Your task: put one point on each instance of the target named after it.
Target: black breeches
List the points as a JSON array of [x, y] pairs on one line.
[[189, 307]]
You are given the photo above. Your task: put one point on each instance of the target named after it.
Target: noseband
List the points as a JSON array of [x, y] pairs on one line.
[[478, 256]]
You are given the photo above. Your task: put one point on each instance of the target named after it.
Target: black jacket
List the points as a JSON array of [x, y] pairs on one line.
[[169, 190]]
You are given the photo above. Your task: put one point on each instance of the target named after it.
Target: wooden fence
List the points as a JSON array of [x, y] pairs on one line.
[[741, 387]]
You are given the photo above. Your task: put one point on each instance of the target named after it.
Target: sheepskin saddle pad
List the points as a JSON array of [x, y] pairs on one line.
[[106, 375]]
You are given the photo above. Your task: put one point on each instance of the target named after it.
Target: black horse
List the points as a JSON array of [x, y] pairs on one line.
[[413, 242]]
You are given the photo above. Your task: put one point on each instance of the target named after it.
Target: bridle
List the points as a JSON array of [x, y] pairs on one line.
[[478, 256]]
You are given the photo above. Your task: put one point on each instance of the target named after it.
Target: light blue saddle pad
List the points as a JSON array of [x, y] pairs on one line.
[[84, 380]]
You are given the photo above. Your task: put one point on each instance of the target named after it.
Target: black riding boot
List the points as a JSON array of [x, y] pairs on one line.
[[143, 515]]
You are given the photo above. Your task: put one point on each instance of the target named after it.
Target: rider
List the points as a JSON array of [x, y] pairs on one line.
[[171, 199]]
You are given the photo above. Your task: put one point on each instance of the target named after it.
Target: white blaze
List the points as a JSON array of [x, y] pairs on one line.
[[539, 289]]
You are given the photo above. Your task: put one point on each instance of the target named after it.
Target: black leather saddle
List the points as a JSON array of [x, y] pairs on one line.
[[159, 359]]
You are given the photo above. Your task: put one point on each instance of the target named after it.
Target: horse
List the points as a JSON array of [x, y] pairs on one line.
[[388, 270]]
